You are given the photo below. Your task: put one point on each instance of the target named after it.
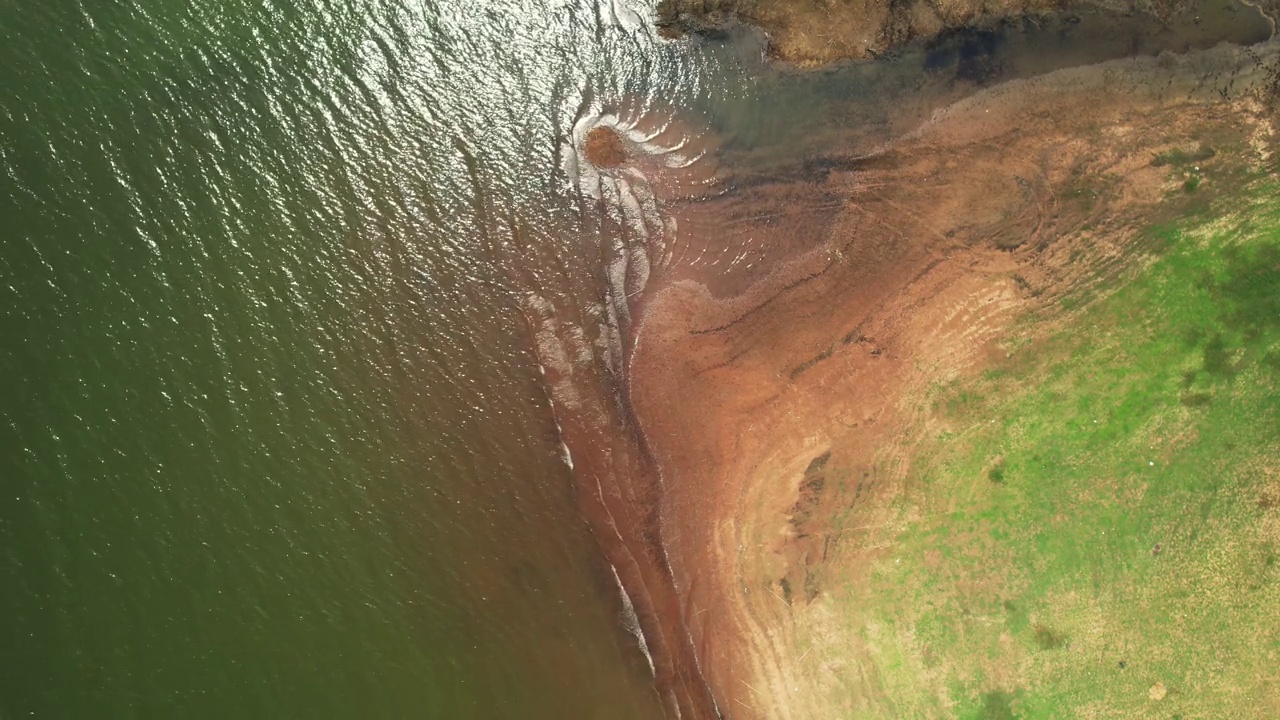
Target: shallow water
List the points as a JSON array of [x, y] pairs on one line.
[[274, 439]]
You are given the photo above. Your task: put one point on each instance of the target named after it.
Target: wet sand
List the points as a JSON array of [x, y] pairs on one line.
[[747, 329]]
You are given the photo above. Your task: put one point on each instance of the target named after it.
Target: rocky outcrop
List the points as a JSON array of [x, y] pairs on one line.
[[815, 32]]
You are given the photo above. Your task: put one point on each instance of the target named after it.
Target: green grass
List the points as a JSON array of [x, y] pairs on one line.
[[1104, 512]]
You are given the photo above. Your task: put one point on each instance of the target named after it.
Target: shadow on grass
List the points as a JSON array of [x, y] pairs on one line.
[[1247, 292], [1046, 638], [997, 705]]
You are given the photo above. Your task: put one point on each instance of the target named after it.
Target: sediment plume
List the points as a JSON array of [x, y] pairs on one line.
[[625, 164]]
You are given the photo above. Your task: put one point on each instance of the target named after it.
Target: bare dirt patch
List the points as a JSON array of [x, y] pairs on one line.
[[604, 148]]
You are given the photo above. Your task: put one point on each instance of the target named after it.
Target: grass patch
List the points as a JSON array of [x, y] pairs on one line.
[[1099, 530]]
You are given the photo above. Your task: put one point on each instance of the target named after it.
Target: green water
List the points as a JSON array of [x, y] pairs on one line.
[[271, 441]]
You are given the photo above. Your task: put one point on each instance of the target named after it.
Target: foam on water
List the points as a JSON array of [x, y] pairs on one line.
[[631, 621]]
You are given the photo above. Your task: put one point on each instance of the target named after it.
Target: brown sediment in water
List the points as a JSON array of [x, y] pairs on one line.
[[619, 496], [790, 324], [604, 148], [582, 337]]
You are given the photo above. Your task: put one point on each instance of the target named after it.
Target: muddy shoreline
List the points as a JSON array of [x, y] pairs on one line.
[[753, 332]]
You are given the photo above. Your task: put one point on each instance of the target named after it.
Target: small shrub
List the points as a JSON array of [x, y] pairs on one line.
[[997, 705], [1046, 638]]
